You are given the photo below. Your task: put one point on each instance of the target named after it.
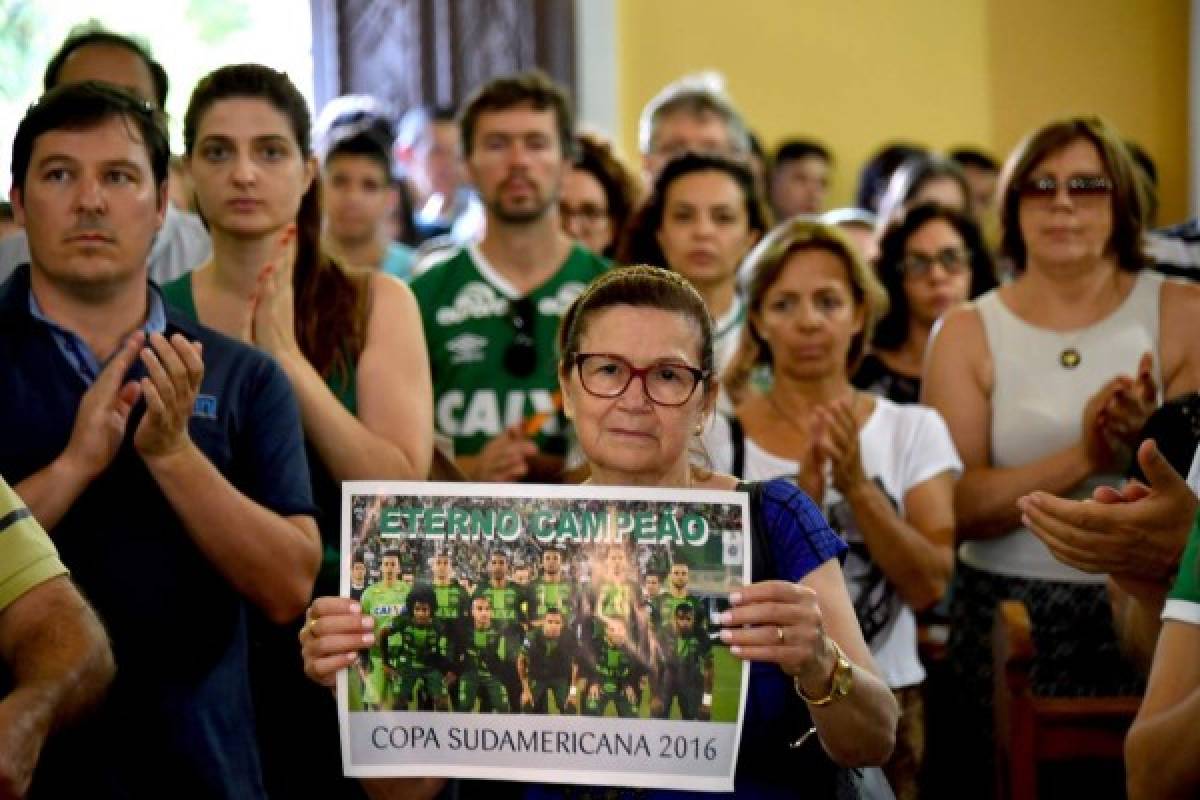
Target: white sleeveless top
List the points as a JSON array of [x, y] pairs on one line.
[[1037, 406]]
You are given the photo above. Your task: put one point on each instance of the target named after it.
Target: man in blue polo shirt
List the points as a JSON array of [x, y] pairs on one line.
[[165, 460]]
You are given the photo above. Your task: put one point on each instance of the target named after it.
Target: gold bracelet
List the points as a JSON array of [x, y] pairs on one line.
[[840, 682]]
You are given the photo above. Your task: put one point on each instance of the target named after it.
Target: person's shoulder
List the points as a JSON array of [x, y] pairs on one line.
[[389, 292], [797, 530], [784, 502], [444, 275], [964, 319], [907, 416], [583, 262], [178, 294], [960, 336], [1180, 297]]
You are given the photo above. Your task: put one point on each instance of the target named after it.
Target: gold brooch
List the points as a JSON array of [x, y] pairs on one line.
[[1069, 358]]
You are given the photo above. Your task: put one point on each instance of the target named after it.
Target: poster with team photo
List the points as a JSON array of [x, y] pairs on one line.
[[556, 634]]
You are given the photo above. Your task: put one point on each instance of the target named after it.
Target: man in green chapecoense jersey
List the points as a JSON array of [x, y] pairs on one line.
[[491, 311]]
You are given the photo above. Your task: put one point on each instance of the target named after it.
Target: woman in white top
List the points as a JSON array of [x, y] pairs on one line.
[[703, 216], [1043, 383], [882, 473]]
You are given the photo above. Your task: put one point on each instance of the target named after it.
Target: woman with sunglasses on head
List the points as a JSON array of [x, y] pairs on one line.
[[637, 381], [349, 342], [882, 473], [704, 215], [924, 178], [930, 260], [1044, 383]]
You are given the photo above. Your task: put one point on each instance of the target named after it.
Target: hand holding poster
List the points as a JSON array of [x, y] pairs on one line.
[[544, 633]]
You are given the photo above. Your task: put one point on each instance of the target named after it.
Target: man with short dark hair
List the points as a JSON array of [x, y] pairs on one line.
[[687, 667], [676, 593], [491, 312], [982, 173], [481, 657], [799, 180], [125, 426], [358, 200], [547, 665], [95, 54], [552, 589]]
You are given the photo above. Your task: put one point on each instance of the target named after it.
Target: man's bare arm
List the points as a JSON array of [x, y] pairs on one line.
[[61, 664]]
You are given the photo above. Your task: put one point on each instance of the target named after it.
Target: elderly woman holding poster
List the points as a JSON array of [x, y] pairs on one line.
[[637, 381]]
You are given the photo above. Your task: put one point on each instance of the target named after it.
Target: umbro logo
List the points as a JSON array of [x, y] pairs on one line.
[[467, 348]]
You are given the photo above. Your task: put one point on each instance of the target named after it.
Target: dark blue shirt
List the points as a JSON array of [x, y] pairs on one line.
[[178, 720]]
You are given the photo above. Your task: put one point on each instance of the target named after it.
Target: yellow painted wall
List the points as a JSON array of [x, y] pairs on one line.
[[1126, 60], [856, 73]]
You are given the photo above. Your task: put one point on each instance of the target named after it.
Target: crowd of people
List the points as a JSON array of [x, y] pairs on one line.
[[974, 385]]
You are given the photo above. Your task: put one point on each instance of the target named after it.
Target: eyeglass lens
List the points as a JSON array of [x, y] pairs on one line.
[[609, 376], [952, 259], [1079, 187]]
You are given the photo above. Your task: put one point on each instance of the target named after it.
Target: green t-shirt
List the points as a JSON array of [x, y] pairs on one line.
[[27, 556], [467, 312], [1183, 603]]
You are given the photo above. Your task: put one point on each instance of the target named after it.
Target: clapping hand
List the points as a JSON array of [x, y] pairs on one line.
[[273, 307], [174, 370]]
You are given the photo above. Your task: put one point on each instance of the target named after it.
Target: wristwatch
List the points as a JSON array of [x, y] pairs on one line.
[[840, 682]]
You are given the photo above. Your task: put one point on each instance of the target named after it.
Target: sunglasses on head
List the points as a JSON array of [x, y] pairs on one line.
[[1078, 187], [520, 357]]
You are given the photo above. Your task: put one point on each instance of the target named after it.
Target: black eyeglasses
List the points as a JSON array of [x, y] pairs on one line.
[[1080, 188], [520, 357], [667, 383], [590, 215], [954, 260]]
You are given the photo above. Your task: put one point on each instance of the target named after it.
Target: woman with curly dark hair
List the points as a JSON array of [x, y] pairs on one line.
[[930, 260], [599, 195]]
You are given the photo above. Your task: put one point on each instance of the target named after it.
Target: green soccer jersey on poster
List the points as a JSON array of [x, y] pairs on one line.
[[467, 311], [452, 604], [415, 647], [688, 657], [485, 651], [614, 669], [385, 603], [617, 600], [508, 603], [544, 596]]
